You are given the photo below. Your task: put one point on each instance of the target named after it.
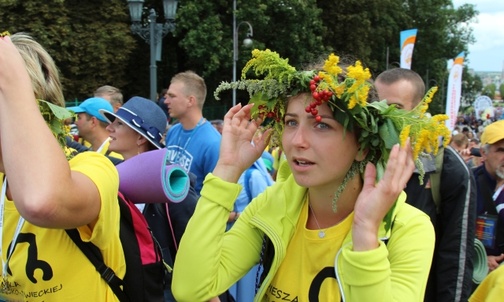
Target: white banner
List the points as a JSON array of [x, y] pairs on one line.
[[407, 41], [454, 91]]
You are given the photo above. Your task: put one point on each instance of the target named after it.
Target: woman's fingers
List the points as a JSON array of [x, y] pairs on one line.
[[399, 168]]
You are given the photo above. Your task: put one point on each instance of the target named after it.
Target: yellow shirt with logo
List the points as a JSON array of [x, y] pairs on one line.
[[311, 260], [46, 265]]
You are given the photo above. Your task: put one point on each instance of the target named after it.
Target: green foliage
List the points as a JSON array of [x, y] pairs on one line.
[[471, 88], [93, 45], [206, 31], [489, 90], [89, 40]]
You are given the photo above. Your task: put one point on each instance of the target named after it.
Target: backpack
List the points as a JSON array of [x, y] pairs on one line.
[[145, 269]]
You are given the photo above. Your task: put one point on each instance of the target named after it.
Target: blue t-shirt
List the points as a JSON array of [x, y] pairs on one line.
[[196, 150]]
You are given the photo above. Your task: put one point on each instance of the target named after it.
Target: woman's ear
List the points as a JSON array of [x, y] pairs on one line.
[[141, 140], [361, 154]]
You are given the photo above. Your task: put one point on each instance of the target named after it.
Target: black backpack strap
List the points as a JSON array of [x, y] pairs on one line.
[[95, 257], [486, 192]]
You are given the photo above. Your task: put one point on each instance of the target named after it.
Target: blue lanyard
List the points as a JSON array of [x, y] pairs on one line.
[[193, 131]]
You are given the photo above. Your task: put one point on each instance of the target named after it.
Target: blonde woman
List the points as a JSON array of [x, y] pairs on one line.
[[44, 193]]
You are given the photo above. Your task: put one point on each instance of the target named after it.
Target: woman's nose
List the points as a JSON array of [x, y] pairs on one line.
[[299, 139]]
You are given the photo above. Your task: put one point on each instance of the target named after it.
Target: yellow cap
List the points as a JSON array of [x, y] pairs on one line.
[[493, 133]]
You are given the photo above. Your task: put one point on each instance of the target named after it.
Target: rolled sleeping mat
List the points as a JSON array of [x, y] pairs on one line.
[[480, 262], [150, 177]]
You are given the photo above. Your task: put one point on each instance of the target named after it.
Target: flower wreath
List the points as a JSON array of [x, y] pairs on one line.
[[346, 91], [54, 117]]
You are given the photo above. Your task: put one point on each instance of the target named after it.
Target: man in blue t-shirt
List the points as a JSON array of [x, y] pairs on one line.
[[193, 142]]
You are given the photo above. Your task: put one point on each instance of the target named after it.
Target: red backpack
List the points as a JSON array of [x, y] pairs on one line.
[[145, 270]]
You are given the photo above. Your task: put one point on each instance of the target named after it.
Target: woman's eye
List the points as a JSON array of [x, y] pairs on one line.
[[321, 125], [290, 123]]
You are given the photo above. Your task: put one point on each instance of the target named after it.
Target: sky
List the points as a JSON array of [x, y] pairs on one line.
[[487, 54]]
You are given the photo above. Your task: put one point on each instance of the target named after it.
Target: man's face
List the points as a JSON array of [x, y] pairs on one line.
[[400, 93], [176, 99], [83, 123], [494, 159]]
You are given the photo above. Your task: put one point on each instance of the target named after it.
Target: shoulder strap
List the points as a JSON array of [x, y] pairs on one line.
[[92, 252], [171, 226], [435, 179], [246, 181], [486, 193]]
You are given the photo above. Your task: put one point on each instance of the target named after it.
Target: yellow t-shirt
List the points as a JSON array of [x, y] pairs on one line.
[[491, 288], [278, 158], [105, 149], [46, 265], [307, 271]]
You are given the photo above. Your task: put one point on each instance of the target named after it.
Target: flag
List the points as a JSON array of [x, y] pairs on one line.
[[454, 91], [407, 41]]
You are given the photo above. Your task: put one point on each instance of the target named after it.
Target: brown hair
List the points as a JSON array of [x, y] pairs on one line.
[[394, 75], [460, 140]]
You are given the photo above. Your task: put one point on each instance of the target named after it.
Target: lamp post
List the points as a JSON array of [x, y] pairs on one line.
[[153, 33], [247, 42]]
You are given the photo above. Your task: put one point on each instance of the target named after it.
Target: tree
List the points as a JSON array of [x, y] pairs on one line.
[[92, 44], [206, 36], [442, 34], [471, 87], [489, 90], [98, 47], [89, 40]]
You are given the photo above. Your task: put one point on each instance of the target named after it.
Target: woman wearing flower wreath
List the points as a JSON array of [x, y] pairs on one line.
[[334, 226]]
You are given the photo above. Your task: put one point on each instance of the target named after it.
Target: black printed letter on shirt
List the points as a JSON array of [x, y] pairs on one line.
[[32, 262]]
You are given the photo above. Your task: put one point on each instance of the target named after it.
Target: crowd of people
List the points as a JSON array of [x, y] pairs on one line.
[[332, 185]]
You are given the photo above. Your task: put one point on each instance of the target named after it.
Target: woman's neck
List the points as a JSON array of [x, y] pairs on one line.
[[134, 152], [321, 201]]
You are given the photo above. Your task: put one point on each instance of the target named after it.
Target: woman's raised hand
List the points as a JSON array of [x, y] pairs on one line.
[[237, 153], [376, 199], [13, 74]]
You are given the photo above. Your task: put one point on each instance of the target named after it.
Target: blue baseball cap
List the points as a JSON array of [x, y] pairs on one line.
[[92, 107]]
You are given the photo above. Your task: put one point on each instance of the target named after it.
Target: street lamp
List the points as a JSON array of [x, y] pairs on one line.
[[153, 33], [247, 42]]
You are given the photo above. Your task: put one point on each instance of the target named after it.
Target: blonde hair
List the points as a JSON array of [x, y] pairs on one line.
[[193, 85], [42, 70], [115, 94]]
